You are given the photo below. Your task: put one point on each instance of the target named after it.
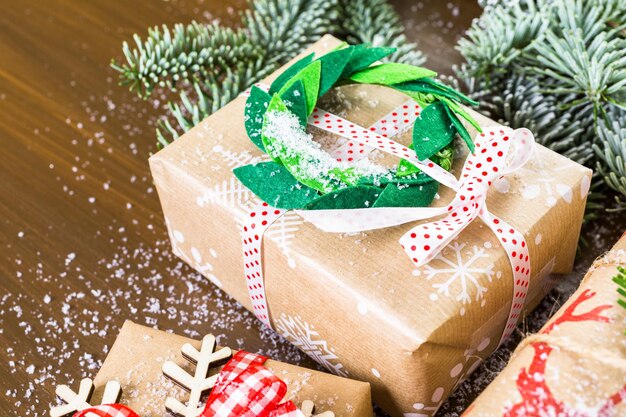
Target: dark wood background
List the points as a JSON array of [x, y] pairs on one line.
[[83, 241]]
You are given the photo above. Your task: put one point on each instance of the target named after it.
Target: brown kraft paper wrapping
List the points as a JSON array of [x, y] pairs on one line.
[[576, 365], [137, 356], [355, 303]]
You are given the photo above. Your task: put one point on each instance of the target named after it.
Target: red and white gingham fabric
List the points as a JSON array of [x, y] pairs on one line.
[[499, 151], [107, 410], [245, 388]]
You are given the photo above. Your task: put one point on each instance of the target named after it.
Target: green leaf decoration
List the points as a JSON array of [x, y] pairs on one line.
[[295, 100], [363, 56], [288, 74], [391, 73], [432, 131], [253, 115], [444, 158], [310, 77], [452, 93], [460, 129], [398, 195], [620, 280], [427, 86], [360, 196], [293, 161], [333, 65], [454, 106], [320, 181], [275, 185], [273, 150]]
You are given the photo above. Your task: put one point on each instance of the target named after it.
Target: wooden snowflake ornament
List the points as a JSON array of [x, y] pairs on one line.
[[198, 383], [308, 407], [78, 401]]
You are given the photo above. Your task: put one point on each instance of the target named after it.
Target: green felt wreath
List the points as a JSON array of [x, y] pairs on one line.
[[302, 176]]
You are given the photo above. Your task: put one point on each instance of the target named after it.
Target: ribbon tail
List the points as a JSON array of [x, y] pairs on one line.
[[516, 249], [365, 219], [258, 221], [425, 241]]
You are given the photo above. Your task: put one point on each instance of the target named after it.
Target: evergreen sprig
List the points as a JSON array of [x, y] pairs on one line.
[[611, 152], [558, 67], [209, 65], [186, 53]]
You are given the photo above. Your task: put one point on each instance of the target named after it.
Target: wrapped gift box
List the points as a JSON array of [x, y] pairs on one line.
[[576, 364], [413, 334], [138, 354]]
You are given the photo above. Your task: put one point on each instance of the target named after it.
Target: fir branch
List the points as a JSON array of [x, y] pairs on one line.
[[558, 67], [214, 64], [283, 28], [376, 22], [501, 36], [611, 152], [187, 53]]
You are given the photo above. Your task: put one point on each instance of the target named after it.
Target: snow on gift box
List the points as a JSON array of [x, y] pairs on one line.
[[576, 365], [151, 365], [421, 326]]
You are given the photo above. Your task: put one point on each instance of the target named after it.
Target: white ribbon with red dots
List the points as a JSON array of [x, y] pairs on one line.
[[499, 151]]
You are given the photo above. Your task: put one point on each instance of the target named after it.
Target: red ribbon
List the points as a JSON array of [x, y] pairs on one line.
[[107, 410], [245, 388]]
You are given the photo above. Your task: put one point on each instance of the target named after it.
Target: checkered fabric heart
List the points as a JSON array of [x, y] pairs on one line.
[[107, 410], [245, 388]]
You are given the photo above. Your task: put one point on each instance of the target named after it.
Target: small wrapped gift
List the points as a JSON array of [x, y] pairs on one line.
[[576, 365], [415, 326], [148, 365]]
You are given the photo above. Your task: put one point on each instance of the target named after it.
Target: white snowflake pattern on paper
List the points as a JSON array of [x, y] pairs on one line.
[[456, 269], [235, 159], [230, 193], [304, 337], [177, 238], [233, 194], [546, 184]]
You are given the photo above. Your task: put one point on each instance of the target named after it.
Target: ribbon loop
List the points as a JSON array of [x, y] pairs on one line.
[[245, 388]]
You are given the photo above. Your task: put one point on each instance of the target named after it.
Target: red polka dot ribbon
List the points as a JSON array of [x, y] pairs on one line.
[[498, 152], [245, 388], [107, 410]]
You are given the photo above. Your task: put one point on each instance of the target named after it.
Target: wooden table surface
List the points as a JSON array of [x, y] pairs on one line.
[[83, 240]]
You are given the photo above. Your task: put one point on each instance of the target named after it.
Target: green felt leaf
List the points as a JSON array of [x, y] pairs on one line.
[[288, 74], [460, 129], [459, 96], [333, 65], [455, 107], [395, 195], [273, 150], [256, 105], [424, 86], [295, 100], [275, 185], [310, 77], [432, 131], [360, 196], [444, 158], [391, 73], [324, 182], [363, 56]]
